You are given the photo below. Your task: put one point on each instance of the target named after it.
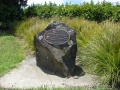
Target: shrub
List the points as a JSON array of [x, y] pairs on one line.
[[102, 54], [96, 12]]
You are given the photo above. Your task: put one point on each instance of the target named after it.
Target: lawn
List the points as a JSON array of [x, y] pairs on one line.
[[11, 53]]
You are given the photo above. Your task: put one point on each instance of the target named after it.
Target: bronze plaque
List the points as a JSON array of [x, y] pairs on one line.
[[56, 37]]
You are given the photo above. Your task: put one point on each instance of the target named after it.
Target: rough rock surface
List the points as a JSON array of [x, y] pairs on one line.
[[56, 48]]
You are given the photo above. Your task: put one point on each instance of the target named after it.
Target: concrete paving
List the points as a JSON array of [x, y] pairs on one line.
[[28, 75]]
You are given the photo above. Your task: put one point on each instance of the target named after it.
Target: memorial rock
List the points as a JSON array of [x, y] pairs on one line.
[[56, 48]]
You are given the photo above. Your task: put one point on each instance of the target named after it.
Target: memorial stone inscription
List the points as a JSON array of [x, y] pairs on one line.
[[56, 48], [56, 37]]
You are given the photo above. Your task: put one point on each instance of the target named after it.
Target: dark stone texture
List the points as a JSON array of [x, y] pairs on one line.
[[56, 50]]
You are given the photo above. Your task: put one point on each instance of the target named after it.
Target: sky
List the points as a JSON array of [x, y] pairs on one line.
[[64, 1]]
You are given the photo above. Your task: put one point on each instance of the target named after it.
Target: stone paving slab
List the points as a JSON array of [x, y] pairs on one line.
[[28, 75]]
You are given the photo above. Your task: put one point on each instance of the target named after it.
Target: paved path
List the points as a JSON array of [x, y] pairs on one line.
[[28, 75]]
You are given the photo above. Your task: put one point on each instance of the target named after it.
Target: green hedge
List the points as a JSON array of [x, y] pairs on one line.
[[96, 12]]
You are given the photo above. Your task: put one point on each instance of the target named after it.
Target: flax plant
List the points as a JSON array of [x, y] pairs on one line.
[[102, 54]]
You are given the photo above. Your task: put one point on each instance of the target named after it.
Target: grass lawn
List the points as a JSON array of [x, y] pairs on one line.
[[11, 53]]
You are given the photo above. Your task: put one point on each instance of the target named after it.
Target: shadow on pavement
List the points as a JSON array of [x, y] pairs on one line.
[[78, 71]]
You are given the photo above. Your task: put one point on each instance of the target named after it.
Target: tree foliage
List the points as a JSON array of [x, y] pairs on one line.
[[10, 11]]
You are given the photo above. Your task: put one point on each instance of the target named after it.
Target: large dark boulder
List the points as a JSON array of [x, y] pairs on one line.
[[56, 48]]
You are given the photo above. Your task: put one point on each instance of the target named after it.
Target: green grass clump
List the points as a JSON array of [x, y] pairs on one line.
[[102, 54], [27, 30], [11, 53]]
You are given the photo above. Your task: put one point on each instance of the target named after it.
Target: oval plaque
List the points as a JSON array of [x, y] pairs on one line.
[[56, 37]]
